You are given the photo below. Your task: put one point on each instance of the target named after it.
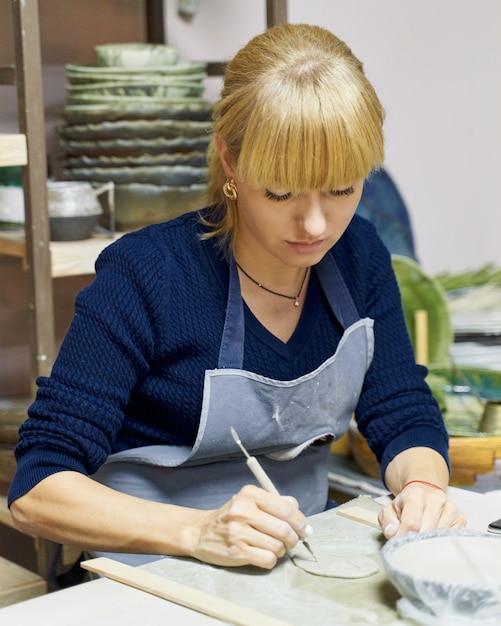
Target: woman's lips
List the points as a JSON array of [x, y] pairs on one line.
[[305, 248]]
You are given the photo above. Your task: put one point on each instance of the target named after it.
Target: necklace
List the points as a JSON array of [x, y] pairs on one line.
[[275, 293]]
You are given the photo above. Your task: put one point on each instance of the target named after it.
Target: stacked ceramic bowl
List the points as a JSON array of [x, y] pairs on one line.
[[138, 118]]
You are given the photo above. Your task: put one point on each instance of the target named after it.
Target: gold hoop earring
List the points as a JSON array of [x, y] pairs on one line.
[[230, 189]]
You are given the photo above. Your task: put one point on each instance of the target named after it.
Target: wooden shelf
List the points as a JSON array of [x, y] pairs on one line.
[[13, 150], [68, 258]]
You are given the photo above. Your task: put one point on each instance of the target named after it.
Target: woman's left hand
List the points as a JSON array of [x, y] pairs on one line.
[[419, 507], [419, 478]]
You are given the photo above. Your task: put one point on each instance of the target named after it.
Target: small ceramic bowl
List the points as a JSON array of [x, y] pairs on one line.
[[73, 227], [447, 573], [138, 205], [135, 55]]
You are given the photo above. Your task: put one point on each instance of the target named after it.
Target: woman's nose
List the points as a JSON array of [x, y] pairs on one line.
[[313, 217]]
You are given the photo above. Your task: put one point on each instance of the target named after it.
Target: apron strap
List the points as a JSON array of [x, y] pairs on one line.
[[336, 291], [231, 351]]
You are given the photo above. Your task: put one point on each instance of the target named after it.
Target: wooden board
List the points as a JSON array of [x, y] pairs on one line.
[[18, 583], [13, 150], [360, 514], [178, 593], [68, 258], [5, 517]]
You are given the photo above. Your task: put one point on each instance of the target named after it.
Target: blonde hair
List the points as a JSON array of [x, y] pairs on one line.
[[297, 113]]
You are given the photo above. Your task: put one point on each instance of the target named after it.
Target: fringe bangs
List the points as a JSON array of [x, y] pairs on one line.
[[295, 143]]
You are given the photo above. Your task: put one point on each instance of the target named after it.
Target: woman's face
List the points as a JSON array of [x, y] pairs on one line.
[[293, 229]]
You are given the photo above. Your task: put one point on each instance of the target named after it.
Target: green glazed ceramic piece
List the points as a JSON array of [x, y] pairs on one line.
[[167, 175], [96, 113], [138, 205], [421, 292], [135, 55], [75, 70], [133, 147], [88, 77], [195, 158], [130, 100], [153, 89], [462, 409], [135, 129]]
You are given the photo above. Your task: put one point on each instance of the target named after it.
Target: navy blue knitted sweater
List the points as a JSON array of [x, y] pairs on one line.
[[130, 371]]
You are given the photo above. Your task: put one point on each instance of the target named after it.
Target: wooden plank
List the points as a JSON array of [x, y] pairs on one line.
[[360, 514], [216, 68], [14, 410], [68, 258], [28, 61], [77, 258], [7, 466], [276, 12], [155, 32], [32, 124], [9, 432], [7, 75], [178, 593], [17, 583], [421, 336], [5, 517], [12, 244], [13, 150], [69, 553]]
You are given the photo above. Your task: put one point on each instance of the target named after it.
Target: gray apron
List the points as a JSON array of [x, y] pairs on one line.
[[288, 425]]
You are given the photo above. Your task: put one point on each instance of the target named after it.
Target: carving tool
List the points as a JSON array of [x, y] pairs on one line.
[[262, 477]]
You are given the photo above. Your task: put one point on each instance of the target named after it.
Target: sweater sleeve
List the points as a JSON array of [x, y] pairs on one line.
[[396, 409], [111, 340]]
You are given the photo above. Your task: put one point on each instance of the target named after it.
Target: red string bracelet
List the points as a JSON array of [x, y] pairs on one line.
[[423, 482]]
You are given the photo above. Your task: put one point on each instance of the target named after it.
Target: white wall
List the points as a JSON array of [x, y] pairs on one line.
[[436, 65]]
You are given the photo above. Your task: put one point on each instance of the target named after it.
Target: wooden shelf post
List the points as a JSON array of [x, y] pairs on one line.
[[31, 124]]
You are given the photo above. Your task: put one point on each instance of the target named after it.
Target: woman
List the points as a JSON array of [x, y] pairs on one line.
[[274, 311]]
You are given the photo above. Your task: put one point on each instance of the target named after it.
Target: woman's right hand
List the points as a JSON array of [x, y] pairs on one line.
[[254, 528]]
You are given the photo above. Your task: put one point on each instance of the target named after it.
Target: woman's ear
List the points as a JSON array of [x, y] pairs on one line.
[[224, 156]]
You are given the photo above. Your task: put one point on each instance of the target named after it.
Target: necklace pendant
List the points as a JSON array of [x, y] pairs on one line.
[[276, 293]]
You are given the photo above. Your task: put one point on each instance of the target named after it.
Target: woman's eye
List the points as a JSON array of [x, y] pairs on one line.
[[276, 197], [342, 192]]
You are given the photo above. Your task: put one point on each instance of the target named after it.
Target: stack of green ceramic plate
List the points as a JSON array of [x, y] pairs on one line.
[[138, 118]]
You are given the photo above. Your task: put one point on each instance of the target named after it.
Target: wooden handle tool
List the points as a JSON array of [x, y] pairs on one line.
[[178, 593], [262, 478]]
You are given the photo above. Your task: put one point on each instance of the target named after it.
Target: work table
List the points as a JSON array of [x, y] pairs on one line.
[[285, 593]]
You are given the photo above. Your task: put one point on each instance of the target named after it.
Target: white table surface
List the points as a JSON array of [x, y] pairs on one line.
[[107, 603]]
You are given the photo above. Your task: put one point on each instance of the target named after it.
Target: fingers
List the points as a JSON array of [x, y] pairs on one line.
[[254, 527], [419, 509], [268, 516], [390, 523], [297, 520]]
